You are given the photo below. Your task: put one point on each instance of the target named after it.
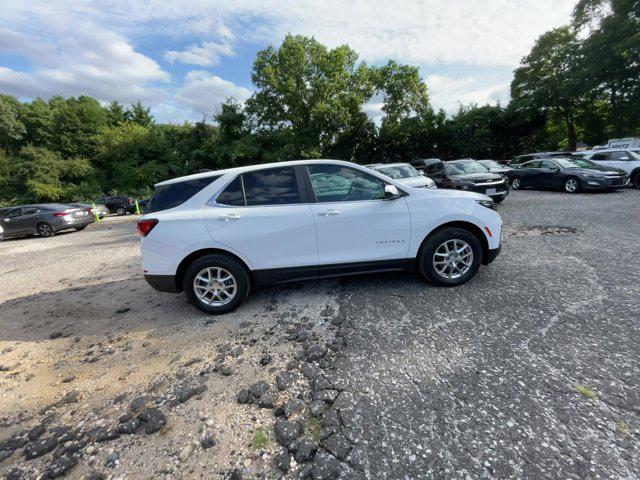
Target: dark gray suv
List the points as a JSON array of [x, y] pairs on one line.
[[44, 219]]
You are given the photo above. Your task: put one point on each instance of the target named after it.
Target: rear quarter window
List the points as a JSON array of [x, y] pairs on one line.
[[174, 194]]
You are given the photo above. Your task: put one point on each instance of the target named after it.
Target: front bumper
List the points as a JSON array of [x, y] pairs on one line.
[[163, 283], [605, 183], [491, 256]]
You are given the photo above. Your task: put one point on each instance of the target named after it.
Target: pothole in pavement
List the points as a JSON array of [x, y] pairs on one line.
[[535, 230]]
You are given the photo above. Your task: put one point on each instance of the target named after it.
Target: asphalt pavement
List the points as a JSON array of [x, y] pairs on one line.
[[531, 370]]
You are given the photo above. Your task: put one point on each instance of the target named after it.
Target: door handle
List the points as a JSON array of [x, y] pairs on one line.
[[328, 212], [229, 216]]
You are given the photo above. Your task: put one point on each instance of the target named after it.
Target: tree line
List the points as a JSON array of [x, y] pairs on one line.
[[580, 82]]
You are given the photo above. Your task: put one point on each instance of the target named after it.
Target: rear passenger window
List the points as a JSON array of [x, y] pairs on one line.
[[232, 194], [273, 186], [174, 194]]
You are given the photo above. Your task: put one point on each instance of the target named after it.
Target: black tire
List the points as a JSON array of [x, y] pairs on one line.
[[433, 242], [228, 263], [516, 183], [499, 200], [572, 185], [79, 229], [121, 211], [635, 180], [45, 230]]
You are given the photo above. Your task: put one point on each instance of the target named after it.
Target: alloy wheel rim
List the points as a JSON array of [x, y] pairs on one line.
[[215, 286], [453, 259], [571, 185], [516, 183], [45, 230]]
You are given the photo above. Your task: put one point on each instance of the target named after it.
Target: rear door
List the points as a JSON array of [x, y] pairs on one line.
[[264, 216], [29, 219], [354, 222]]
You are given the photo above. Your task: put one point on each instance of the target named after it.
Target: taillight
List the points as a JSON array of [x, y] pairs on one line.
[[60, 214], [145, 226], [131, 200]]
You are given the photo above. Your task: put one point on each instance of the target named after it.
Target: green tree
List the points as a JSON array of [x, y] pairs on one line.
[[314, 93], [37, 117], [138, 113], [115, 113], [75, 123], [43, 175], [551, 79], [612, 53], [11, 128]]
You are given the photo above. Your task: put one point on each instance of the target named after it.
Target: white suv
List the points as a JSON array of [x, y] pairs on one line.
[[627, 160], [216, 234]]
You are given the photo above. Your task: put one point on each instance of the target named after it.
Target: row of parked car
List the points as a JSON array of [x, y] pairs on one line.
[[572, 172], [46, 219]]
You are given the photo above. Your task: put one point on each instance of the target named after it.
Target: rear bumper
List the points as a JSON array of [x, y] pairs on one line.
[[163, 283], [73, 223], [493, 253]]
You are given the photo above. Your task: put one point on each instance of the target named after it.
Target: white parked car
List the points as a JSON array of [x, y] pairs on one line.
[[404, 173], [626, 160], [215, 235]]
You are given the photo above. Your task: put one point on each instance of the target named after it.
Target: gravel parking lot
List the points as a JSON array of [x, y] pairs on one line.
[[528, 371]]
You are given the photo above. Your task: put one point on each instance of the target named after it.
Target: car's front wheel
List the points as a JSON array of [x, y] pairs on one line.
[[572, 185], [79, 229], [45, 230], [216, 283], [516, 183], [636, 180], [450, 257]]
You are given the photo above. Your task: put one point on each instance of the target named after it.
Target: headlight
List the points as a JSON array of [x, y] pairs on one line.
[[487, 203]]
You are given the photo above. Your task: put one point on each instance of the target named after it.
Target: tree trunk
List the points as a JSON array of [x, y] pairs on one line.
[[571, 132]]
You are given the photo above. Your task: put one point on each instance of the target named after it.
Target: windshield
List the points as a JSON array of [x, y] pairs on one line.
[[399, 171], [583, 162], [490, 164], [460, 168], [565, 163]]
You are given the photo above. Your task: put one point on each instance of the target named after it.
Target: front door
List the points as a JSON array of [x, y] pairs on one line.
[[13, 223], [353, 221], [263, 216]]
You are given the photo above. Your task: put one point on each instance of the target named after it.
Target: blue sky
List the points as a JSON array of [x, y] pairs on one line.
[[184, 58]]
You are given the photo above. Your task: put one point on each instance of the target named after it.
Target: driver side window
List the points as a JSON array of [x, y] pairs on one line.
[[333, 183]]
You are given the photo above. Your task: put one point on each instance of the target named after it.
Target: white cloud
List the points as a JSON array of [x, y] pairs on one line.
[[449, 93], [89, 60], [207, 54], [481, 32], [87, 46], [203, 92]]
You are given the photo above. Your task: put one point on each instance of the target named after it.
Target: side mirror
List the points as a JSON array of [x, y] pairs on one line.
[[391, 192]]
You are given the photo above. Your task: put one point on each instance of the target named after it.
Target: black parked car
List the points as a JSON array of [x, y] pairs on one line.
[[534, 156], [120, 204], [564, 173], [465, 175]]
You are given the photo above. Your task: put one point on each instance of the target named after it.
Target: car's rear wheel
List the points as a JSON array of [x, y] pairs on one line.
[[572, 185], [450, 257], [216, 283], [636, 180], [120, 211], [516, 183], [45, 230]]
